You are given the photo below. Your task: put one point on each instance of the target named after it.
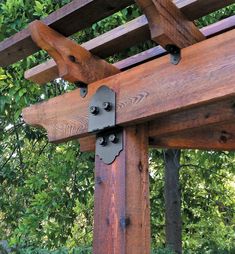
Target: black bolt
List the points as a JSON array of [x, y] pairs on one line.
[[94, 110], [107, 106], [101, 141], [125, 222], [98, 180], [172, 49], [72, 58], [113, 138]]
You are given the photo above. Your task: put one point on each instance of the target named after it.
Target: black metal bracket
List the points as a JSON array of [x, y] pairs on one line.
[[109, 144], [102, 110], [175, 53], [102, 121]]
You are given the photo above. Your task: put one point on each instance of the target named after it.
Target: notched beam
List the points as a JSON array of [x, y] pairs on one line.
[[75, 64], [148, 91], [168, 25], [115, 40]]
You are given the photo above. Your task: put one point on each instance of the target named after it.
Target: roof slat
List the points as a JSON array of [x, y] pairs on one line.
[[82, 13], [48, 71]]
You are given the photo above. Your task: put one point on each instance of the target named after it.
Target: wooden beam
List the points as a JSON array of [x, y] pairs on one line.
[[75, 64], [115, 40], [148, 91], [193, 9], [168, 25], [220, 137], [80, 14], [189, 120], [122, 217], [69, 19]]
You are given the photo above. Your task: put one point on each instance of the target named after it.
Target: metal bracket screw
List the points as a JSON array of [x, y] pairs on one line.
[[107, 106], [101, 141], [175, 53], [83, 88], [72, 58], [102, 110], [109, 144], [94, 110], [125, 222], [113, 138]]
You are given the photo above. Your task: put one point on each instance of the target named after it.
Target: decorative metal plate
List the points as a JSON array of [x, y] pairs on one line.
[[109, 144], [102, 110]]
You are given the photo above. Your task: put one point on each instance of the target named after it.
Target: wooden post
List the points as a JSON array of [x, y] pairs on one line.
[[122, 217]]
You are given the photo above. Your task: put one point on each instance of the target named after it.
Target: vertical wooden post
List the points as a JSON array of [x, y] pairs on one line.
[[122, 218]]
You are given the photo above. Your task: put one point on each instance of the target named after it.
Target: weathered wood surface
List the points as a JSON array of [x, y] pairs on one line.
[[176, 123], [80, 14], [194, 9], [220, 137], [147, 91], [168, 25], [114, 40], [69, 19], [75, 64], [122, 212]]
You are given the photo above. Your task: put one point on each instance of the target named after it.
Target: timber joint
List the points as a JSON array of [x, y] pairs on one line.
[[102, 121]]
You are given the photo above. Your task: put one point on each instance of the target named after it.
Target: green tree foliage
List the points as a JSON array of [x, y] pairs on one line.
[[46, 190]]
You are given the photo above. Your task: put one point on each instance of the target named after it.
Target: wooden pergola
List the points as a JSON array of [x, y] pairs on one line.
[[179, 94]]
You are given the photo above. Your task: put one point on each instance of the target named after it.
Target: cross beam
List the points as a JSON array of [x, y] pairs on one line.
[[148, 91], [65, 21]]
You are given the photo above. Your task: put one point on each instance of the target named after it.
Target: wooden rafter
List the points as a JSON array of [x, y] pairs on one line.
[[75, 64], [148, 91], [69, 19], [168, 25], [114, 40], [81, 14]]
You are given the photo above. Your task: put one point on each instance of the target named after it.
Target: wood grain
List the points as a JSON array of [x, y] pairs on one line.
[[122, 217], [148, 91], [80, 14], [193, 9], [116, 40], [69, 19], [75, 64], [168, 25], [176, 123], [220, 137]]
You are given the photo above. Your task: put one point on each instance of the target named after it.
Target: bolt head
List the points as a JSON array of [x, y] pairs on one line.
[[172, 49], [94, 110], [101, 141], [107, 106], [72, 58], [113, 138]]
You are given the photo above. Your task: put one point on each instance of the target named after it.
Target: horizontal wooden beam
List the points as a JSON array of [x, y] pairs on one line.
[[69, 19], [178, 123], [193, 9], [117, 38], [81, 14], [220, 137], [148, 91], [75, 63]]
